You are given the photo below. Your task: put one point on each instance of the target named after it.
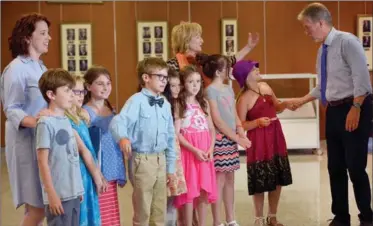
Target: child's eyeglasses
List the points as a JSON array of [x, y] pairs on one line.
[[80, 92], [161, 77]]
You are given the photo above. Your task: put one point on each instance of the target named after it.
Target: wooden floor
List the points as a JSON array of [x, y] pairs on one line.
[[306, 202]]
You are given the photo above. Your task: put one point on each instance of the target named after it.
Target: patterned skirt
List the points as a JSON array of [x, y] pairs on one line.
[[265, 176], [226, 155], [109, 206], [179, 186], [267, 159]]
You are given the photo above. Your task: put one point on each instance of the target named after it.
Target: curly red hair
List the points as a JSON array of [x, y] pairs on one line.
[[23, 30]]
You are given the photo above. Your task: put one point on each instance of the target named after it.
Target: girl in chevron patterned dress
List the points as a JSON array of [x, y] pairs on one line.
[[229, 132]]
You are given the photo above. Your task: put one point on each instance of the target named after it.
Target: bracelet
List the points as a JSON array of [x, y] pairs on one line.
[[238, 126]]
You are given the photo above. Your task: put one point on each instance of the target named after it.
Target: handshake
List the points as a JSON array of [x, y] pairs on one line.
[[293, 104]]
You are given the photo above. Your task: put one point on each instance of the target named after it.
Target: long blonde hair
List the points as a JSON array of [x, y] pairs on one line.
[[79, 115]]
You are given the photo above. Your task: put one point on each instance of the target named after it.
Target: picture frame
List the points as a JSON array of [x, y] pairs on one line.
[[152, 39], [76, 47], [76, 1], [229, 40], [364, 33]]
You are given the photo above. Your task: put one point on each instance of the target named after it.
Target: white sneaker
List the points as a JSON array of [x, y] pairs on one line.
[[232, 223]]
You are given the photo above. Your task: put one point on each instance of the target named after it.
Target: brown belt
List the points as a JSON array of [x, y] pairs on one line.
[[341, 101]]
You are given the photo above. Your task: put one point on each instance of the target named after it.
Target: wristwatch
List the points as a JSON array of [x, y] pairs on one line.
[[357, 105]]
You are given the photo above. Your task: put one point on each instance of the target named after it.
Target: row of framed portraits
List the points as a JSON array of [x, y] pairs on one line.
[[364, 33], [152, 41], [152, 38], [76, 47]]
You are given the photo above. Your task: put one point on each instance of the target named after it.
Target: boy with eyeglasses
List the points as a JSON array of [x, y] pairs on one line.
[[145, 132]]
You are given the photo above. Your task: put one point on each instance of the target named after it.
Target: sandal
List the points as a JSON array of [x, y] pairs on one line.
[[272, 220], [259, 221], [232, 223]]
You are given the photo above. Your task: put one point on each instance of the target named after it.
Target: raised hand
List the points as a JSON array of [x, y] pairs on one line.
[[253, 40]]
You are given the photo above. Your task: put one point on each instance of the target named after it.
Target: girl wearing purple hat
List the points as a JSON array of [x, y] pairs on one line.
[[229, 132], [268, 167]]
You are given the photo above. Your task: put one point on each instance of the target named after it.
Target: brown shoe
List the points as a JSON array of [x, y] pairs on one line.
[[272, 220]]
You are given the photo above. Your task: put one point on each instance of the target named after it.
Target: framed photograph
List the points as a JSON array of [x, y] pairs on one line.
[[364, 33], [152, 39], [76, 1], [229, 37], [76, 47]]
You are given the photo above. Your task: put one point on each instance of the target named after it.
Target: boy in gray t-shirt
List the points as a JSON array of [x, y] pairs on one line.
[[57, 152]]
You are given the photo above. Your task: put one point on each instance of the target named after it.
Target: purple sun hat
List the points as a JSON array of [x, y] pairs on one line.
[[242, 69]]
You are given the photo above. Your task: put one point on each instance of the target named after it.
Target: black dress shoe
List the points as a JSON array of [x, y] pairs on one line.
[[362, 223], [334, 222]]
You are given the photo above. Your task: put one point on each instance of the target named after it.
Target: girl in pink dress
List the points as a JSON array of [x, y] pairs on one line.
[[196, 134], [268, 167]]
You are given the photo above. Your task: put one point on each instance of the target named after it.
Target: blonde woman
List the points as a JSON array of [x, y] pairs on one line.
[[186, 41]]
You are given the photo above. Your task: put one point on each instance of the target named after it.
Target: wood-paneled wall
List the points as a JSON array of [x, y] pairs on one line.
[[283, 47]]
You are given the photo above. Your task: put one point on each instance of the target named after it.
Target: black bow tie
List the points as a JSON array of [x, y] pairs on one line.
[[153, 101]]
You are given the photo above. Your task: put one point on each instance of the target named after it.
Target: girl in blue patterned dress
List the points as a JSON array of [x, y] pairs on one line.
[[91, 175], [98, 84]]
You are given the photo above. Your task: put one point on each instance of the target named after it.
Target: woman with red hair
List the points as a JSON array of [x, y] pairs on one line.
[[22, 101]]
